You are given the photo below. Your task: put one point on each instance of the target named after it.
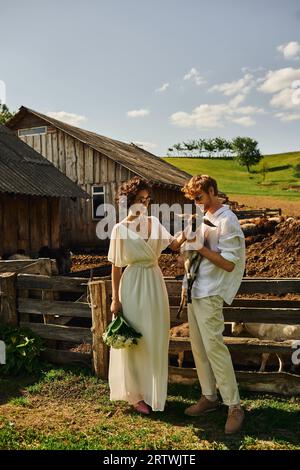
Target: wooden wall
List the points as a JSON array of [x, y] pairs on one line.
[[86, 167], [28, 223]]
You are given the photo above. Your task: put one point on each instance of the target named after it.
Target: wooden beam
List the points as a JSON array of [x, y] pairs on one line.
[[289, 316], [30, 266], [245, 345], [8, 299], [66, 357], [100, 318], [250, 286], [59, 283], [282, 383], [60, 332], [57, 307]]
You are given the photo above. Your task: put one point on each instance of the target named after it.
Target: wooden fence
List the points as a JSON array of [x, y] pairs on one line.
[[20, 304], [252, 213]]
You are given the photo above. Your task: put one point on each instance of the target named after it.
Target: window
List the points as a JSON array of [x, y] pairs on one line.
[[98, 198], [32, 131]]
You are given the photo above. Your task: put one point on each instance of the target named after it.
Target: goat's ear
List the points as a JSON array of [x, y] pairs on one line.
[[208, 222]]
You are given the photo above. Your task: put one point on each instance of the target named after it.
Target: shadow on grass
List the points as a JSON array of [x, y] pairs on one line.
[[267, 418]]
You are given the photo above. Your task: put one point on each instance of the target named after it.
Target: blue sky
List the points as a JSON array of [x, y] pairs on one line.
[[159, 71]]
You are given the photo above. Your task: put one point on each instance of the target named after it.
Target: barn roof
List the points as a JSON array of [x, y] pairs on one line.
[[25, 171], [134, 158]]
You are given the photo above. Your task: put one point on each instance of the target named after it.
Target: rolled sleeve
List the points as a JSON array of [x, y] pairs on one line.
[[231, 238]]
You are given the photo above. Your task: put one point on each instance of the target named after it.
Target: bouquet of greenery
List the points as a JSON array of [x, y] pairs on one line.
[[119, 334]]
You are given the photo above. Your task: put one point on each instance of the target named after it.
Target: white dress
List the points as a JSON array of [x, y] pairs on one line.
[[141, 372]]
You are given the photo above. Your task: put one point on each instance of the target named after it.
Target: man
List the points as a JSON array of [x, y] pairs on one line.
[[218, 279]]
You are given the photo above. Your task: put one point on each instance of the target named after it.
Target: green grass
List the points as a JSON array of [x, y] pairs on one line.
[[70, 409], [234, 179]]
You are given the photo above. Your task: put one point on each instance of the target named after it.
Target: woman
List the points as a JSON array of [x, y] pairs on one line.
[[139, 375]]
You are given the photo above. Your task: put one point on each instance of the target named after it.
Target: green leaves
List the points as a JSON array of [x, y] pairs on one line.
[[23, 348], [119, 334]]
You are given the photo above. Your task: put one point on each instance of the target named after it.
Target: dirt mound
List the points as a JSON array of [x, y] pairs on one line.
[[278, 255], [80, 262]]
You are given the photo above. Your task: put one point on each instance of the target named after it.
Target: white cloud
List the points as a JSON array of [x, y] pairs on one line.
[[284, 84], [207, 116], [243, 85], [145, 145], [244, 121], [69, 118], [138, 113], [276, 80], [290, 50], [288, 117], [194, 76], [163, 88], [238, 99]]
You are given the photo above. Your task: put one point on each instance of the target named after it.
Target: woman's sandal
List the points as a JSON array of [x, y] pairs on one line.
[[142, 407]]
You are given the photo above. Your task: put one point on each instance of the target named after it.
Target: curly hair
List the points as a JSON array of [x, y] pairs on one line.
[[199, 183], [131, 188]]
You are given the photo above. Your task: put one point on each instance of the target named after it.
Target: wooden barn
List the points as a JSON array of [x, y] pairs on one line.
[[98, 165], [31, 192]]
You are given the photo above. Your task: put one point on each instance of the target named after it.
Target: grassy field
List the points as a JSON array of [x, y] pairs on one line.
[[234, 179], [70, 409]]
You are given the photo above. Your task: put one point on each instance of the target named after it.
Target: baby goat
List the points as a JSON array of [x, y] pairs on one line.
[[192, 260]]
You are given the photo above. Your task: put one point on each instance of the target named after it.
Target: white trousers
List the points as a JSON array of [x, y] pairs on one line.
[[211, 356]]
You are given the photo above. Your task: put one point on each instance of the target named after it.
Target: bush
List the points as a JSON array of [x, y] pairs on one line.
[[297, 170], [23, 348]]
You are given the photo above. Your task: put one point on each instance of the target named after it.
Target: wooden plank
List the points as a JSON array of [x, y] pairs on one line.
[[265, 382], [49, 153], [272, 286], [100, 319], [250, 286], [71, 167], [37, 143], [59, 283], [245, 345], [89, 164], [31, 266], [60, 332], [55, 307], [57, 356], [61, 152], [8, 299], [251, 315], [80, 161], [265, 303], [55, 154]]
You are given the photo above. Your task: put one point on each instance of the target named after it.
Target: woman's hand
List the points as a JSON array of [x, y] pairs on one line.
[[115, 307]]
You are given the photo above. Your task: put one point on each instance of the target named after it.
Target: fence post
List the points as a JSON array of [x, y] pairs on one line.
[[100, 315], [8, 299]]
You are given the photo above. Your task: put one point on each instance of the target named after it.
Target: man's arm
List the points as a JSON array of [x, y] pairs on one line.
[[217, 259], [228, 246]]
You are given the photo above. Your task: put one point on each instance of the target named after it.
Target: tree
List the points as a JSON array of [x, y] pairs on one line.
[[246, 151], [5, 113]]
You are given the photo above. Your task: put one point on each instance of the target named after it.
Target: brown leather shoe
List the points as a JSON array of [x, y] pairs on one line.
[[202, 406], [235, 420]]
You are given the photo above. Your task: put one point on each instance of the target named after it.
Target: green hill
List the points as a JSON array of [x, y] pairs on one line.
[[280, 179]]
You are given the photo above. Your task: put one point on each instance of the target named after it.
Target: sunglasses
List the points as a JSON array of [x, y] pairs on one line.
[[142, 200]]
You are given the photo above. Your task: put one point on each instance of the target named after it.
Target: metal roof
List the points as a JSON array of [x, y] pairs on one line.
[[25, 171]]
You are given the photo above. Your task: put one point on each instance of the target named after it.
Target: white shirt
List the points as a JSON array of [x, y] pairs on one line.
[[228, 239]]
